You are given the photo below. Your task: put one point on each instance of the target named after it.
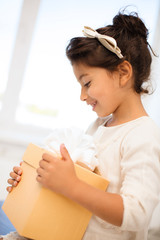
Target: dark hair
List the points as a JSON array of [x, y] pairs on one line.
[[130, 33]]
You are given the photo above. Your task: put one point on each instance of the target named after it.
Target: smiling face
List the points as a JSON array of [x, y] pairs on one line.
[[110, 92], [99, 88]]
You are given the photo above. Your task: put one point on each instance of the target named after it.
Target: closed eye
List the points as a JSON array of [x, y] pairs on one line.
[[87, 84]]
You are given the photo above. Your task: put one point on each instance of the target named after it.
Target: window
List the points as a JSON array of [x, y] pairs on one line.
[[9, 19], [42, 92]]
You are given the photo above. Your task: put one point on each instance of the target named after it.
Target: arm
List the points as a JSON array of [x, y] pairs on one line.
[[105, 205]]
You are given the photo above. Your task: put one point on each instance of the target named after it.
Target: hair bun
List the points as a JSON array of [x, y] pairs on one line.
[[131, 24]]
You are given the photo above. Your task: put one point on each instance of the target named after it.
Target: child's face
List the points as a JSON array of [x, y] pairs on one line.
[[99, 88]]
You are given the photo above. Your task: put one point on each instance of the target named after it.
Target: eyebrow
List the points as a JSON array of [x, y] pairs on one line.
[[83, 75]]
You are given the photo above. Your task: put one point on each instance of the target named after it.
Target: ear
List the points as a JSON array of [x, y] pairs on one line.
[[125, 73]]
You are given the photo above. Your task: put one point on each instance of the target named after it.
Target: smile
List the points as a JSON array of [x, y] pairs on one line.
[[93, 105]]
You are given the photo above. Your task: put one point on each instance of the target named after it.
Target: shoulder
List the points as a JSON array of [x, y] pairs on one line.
[[144, 136], [144, 128]]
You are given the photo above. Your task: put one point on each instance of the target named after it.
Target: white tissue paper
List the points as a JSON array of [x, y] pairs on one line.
[[13, 236], [79, 145]]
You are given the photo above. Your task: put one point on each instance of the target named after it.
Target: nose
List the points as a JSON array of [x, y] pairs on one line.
[[83, 95]]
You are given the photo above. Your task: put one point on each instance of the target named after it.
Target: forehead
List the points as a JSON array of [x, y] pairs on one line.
[[81, 70]]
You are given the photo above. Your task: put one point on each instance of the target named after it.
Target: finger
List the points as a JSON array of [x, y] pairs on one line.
[[39, 179], [12, 182], [17, 170], [64, 152], [40, 171], [9, 189], [43, 164], [14, 176], [40, 175], [48, 158]]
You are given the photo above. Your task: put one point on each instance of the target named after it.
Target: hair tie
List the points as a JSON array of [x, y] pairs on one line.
[[107, 41]]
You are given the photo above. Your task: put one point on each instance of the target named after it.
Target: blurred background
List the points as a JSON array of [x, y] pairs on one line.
[[38, 91]]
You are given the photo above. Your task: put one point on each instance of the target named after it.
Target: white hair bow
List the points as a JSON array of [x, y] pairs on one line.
[[107, 41]]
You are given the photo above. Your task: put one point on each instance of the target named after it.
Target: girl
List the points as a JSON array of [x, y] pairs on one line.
[[112, 66]]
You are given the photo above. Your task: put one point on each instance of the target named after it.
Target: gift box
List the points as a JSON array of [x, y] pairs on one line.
[[41, 214]]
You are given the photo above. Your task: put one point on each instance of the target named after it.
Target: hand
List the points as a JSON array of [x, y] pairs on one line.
[[57, 174], [15, 178]]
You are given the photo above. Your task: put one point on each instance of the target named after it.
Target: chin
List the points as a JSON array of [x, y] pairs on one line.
[[103, 115]]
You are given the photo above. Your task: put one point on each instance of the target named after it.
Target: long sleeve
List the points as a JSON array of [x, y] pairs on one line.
[[140, 174], [129, 157]]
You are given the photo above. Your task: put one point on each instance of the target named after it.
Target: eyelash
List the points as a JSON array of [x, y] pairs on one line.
[[87, 84]]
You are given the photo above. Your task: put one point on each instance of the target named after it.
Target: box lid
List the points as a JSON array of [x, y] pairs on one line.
[[33, 155], [37, 153]]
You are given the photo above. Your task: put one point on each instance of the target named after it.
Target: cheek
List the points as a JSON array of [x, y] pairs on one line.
[[90, 92], [94, 92]]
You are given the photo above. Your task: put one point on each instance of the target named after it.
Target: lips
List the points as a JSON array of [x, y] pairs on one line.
[[93, 105]]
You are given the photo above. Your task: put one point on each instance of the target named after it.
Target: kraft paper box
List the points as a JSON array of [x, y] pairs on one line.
[[41, 214]]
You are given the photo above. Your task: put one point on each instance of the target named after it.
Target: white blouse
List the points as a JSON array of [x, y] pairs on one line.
[[129, 157]]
